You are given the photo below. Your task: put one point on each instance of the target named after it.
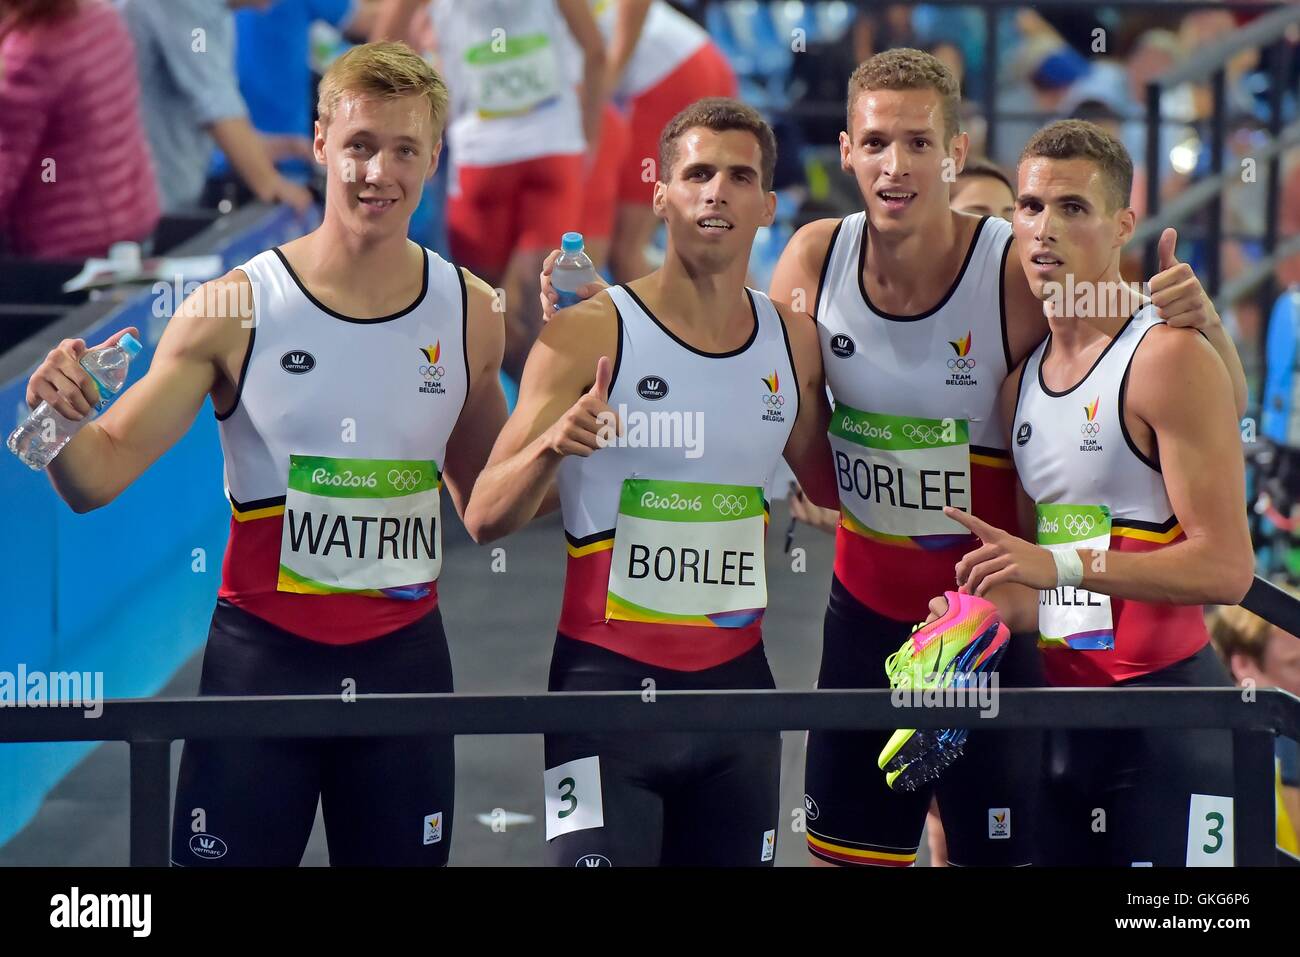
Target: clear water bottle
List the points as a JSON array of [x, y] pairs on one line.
[[108, 366], [571, 271]]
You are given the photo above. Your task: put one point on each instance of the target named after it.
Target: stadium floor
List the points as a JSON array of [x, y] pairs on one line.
[[496, 646]]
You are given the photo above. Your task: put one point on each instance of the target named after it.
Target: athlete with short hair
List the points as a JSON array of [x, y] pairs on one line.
[[352, 373], [665, 579], [921, 311], [1132, 486]]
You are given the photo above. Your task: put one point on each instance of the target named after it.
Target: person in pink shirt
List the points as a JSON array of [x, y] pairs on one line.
[[76, 175]]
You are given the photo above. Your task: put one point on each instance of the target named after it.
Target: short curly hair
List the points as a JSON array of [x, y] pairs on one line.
[[904, 68], [719, 114], [1079, 139]]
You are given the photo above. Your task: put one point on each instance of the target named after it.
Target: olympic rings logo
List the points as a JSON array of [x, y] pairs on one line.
[[1079, 525], [1090, 428], [927, 434], [961, 364], [403, 480], [730, 505], [776, 400], [432, 372]]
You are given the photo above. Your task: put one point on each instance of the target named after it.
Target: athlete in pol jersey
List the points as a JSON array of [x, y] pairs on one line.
[[710, 383], [354, 375], [1127, 449], [919, 310]]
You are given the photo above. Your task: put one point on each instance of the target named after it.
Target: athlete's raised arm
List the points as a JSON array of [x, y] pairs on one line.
[[199, 353], [563, 390], [484, 412]]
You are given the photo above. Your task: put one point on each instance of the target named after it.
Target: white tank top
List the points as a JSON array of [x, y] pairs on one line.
[[745, 422], [666, 528], [1093, 488], [915, 425], [949, 361], [512, 98], [668, 39], [310, 372], [1073, 447]]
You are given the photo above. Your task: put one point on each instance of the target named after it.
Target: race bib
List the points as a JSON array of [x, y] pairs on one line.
[[512, 76], [1069, 616], [688, 553], [364, 526], [896, 473]]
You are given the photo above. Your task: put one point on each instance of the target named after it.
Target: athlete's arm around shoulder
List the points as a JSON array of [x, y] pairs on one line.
[[205, 339], [807, 449], [562, 410], [484, 412], [1179, 387], [798, 272]]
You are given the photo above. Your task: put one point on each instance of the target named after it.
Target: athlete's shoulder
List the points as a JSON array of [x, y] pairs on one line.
[[800, 329], [812, 241], [1166, 347], [589, 326], [477, 291]]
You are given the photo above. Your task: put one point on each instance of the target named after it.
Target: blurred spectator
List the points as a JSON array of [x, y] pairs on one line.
[[185, 52], [1267, 657], [983, 190], [273, 63], [75, 174]]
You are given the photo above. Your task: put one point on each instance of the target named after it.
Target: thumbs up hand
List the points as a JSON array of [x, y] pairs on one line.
[[1176, 293], [589, 424]]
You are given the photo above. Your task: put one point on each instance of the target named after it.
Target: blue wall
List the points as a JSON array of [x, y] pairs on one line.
[[114, 590]]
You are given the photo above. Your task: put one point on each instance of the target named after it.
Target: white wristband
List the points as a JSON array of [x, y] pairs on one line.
[[1069, 567]]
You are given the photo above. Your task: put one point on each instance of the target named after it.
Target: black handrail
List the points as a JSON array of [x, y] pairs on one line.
[[149, 726]]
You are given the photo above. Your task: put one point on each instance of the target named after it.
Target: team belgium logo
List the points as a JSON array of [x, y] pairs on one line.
[[961, 367], [773, 400], [1090, 428], [431, 372]]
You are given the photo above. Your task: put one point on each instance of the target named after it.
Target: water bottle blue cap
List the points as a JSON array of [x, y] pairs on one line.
[[571, 242], [130, 344]]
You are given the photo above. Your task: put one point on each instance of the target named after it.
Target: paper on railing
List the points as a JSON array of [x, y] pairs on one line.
[[100, 273]]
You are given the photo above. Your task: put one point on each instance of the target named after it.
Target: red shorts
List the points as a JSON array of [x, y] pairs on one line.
[[600, 189], [525, 206], [705, 73]]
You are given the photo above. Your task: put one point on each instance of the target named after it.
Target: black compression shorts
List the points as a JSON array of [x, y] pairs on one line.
[[1160, 797], [386, 801], [650, 799]]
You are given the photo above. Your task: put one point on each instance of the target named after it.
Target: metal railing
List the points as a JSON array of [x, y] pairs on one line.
[[150, 726]]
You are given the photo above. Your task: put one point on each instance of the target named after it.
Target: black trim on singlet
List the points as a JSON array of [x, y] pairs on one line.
[[424, 290], [686, 345], [464, 325], [255, 505], [789, 352], [826, 265], [618, 347], [961, 274], [243, 372], [1154, 465], [1020, 390], [588, 539], [1002, 302], [991, 452], [1161, 527], [1047, 348]]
